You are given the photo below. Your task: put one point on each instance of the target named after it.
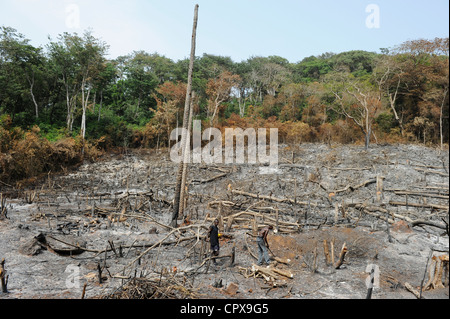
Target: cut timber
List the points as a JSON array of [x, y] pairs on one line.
[[271, 198], [285, 261], [431, 172], [429, 223], [268, 274], [205, 181], [421, 194], [272, 272], [435, 206], [285, 273]]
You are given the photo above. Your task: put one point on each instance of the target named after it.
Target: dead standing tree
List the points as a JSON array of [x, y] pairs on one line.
[[179, 188]]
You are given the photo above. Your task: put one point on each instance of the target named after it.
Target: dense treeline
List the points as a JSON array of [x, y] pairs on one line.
[[69, 91]]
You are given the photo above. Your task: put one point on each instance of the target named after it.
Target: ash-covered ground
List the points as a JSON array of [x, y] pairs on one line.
[[389, 205]]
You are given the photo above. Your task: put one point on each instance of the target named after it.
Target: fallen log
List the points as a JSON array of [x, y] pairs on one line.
[[421, 194], [428, 223], [205, 181], [353, 188], [431, 172], [373, 209], [434, 206], [272, 199], [285, 273], [267, 273]]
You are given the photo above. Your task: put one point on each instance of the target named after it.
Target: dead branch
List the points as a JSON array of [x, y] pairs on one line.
[[344, 251], [428, 223], [421, 194], [267, 273], [431, 172], [272, 199], [205, 181], [424, 205], [413, 291], [353, 188]]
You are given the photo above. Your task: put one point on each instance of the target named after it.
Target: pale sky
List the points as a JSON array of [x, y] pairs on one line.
[[240, 29]]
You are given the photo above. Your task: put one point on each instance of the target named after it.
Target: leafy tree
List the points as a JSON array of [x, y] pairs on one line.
[[21, 72], [311, 69], [218, 91], [356, 100]]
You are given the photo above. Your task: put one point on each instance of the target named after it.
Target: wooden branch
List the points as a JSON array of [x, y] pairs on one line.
[[421, 194], [435, 206], [267, 273], [431, 172], [205, 181], [373, 209], [413, 291], [344, 251], [285, 273], [271, 198], [428, 223], [353, 188]]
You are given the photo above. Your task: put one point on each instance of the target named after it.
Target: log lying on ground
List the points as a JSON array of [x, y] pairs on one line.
[[429, 223], [353, 188], [208, 180], [350, 187], [272, 273], [431, 172], [273, 199], [421, 194], [423, 205], [283, 226]]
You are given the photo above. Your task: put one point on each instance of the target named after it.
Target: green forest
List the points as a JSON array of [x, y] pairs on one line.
[[66, 101]]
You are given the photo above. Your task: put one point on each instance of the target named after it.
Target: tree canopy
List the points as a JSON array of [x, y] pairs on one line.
[[70, 88]]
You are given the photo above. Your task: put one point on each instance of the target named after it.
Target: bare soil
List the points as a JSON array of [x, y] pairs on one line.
[[112, 215]]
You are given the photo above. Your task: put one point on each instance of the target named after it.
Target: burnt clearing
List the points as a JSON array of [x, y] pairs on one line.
[[101, 231]]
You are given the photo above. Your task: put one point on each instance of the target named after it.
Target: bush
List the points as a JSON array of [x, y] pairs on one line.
[[27, 154]]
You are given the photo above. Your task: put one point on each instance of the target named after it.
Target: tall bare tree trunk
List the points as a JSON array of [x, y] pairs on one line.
[[179, 188], [186, 158]]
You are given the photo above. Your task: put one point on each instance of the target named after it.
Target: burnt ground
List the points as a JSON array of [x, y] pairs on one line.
[[116, 211]]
